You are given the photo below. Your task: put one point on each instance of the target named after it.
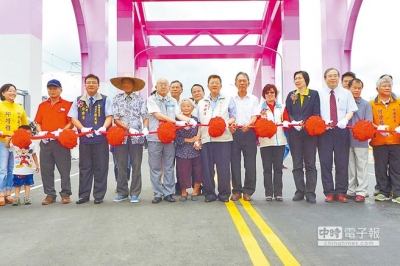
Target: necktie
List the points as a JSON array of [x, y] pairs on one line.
[[90, 102], [163, 106], [333, 108]]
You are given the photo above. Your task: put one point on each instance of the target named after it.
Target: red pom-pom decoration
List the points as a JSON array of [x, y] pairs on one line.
[[265, 128], [68, 138], [363, 130], [115, 135], [166, 132], [216, 127], [315, 126], [21, 138]]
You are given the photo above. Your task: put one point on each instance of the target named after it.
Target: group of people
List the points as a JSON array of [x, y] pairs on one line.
[[341, 107], [196, 156]]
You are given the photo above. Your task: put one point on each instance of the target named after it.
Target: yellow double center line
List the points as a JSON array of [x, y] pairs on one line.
[[249, 241]]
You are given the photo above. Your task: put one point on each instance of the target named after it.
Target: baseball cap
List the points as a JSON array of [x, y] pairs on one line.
[[54, 82]]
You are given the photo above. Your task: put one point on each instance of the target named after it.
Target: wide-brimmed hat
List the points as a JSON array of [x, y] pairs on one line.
[[117, 82]]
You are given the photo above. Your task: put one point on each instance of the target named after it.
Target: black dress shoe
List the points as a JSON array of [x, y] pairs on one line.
[[224, 199], [98, 201], [82, 200], [169, 198], [298, 197], [156, 200], [209, 199], [311, 200]]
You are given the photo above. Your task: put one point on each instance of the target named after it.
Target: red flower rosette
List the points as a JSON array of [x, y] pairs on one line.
[[265, 128], [115, 135], [363, 130], [21, 138], [315, 126], [68, 138], [166, 132], [216, 127]]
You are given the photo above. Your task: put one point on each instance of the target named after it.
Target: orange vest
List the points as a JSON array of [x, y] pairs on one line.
[[389, 115]]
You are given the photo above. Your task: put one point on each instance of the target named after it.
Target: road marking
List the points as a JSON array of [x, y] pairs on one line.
[[254, 250], [41, 185], [280, 249]]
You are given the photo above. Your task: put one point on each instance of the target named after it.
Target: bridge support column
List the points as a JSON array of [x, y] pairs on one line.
[[125, 55], [92, 20], [21, 48], [333, 19], [290, 44]]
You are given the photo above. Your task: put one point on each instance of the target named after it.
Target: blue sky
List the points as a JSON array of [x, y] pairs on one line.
[[375, 45]]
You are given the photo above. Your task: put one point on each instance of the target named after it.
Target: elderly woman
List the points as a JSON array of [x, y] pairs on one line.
[[272, 149], [187, 153], [12, 115]]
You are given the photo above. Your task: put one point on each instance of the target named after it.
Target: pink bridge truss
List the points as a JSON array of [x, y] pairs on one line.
[[279, 24]]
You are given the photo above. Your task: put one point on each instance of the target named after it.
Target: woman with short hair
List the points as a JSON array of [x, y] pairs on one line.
[[272, 149]]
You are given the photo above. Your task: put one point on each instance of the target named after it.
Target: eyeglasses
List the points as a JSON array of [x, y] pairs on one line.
[[91, 82], [214, 83], [162, 84], [270, 92]]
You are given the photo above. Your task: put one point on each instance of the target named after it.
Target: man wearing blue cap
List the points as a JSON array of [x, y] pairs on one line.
[[52, 117]]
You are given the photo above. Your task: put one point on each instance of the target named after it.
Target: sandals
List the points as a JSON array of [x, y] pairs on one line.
[[2, 201], [9, 199], [183, 198], [194, 198], [278, 198]]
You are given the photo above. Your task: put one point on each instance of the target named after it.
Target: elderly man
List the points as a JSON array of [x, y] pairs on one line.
[[386, 145], [129, 111], [216, 150], [162, 108], [244, 140], [337, 107], [92, 111], [52, 117], [358, 160], [377, 188]]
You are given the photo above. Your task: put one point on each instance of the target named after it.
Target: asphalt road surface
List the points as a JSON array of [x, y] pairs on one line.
[[199, 233]]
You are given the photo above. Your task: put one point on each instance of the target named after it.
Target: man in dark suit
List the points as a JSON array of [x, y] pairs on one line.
[[300, 105]]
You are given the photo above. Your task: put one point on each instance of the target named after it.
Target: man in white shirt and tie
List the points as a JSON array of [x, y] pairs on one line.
[[337, 107]]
